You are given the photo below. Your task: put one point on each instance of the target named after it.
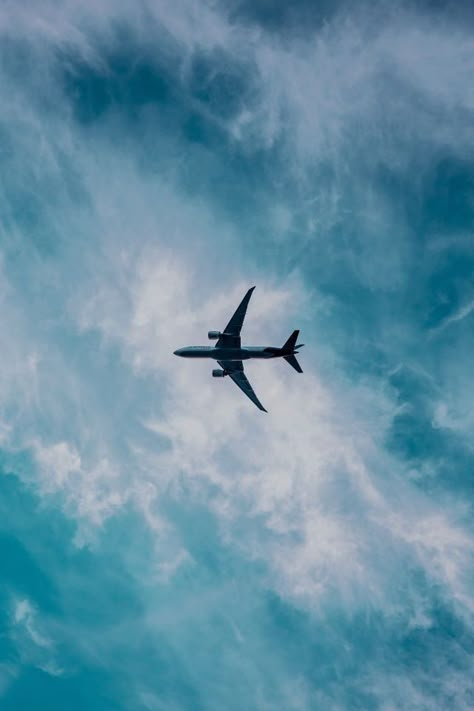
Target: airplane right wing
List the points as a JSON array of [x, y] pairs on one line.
[[231, 335], [235, 370]]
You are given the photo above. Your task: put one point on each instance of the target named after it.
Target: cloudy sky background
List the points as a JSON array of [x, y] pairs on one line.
[[164, 544]]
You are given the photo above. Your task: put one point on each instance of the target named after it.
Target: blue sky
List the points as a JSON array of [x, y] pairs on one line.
[[164, 545]]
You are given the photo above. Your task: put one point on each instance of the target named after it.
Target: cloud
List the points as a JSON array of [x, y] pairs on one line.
[[91, 493], [34, 646], [127, 234], [459, 315]]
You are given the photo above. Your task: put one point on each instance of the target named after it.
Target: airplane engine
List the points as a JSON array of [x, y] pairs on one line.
[[218, 373], [214, 335]]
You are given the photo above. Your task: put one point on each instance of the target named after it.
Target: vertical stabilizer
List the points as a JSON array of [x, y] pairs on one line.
[[291, 342]]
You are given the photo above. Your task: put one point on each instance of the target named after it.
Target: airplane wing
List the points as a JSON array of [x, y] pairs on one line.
[[231, 334], [235, 370]]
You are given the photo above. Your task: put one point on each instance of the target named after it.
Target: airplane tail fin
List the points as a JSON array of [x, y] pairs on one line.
[[293, 362], [290, 348], [291, 342]]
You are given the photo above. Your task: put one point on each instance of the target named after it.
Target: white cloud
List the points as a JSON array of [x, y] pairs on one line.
[[90, 492], [458, 315], [34, 645]]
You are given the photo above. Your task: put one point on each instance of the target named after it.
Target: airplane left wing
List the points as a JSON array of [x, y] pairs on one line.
[[235, 370], [231, 335]]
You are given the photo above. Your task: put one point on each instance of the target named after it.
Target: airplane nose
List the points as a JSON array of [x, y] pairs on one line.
[[178, 351]]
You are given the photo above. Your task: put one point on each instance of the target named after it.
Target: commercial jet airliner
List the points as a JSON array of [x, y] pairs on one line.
[[229, 352]]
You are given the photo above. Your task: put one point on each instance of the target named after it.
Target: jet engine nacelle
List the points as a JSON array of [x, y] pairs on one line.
[[214, 335], [218, 373]]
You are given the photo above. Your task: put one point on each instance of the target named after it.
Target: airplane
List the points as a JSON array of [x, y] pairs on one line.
[[230, 353]]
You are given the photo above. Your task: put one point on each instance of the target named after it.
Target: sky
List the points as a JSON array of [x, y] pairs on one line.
[[165, 545]]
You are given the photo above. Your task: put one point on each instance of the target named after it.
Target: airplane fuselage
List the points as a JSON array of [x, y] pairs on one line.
[[229, 352], [217, 353]]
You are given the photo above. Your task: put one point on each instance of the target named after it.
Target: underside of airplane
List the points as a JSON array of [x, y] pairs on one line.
[[230, 354]]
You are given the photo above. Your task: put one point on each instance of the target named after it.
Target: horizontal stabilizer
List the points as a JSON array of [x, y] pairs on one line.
[[293, 362]]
